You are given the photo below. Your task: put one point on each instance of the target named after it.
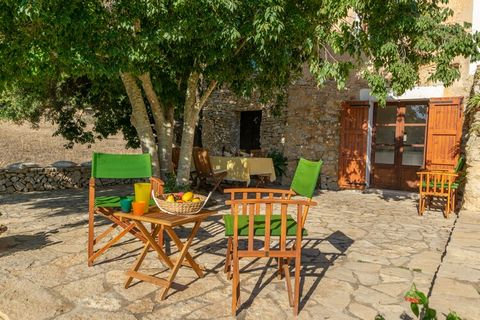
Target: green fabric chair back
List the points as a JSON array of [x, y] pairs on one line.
[[306, 177], [460, 164], [121, 166]]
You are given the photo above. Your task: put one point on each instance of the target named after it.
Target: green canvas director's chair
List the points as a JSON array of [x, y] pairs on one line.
[[257, 203], [115, 166]]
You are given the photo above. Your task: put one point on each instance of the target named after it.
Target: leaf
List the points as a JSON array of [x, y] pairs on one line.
[[414, 308], [452, 315]]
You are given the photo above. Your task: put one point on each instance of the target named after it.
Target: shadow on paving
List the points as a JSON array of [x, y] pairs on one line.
[[392, 195], [61, 202], [314, 263], [16, 243]]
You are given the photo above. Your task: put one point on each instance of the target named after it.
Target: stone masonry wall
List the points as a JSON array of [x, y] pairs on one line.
[[307, 127], [221, 123], [26, 178], [313, 125]]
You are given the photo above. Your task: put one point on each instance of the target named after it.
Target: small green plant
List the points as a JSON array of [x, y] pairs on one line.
[[420, 307], [279, 162], [171, 186]]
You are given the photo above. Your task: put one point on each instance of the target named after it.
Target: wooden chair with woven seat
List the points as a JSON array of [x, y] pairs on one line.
[[255, 218], [440, 184], [204, 168], [115, 166], [303, 184]]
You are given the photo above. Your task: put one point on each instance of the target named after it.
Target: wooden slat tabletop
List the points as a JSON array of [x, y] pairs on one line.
[[155, 216]]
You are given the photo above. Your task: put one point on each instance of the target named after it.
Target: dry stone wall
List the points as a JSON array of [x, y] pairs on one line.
[[26, 177]]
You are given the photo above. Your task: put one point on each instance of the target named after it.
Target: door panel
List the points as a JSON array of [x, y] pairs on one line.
[[444, 133], [398, 144], [353, 145]]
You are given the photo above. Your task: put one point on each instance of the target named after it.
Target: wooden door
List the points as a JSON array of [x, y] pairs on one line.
[[353, 145], [444, 133], [398, 144]]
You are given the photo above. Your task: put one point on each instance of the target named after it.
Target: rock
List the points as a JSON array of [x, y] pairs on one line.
[[87, 164], [63, 164], [18, 295], [141, 306], [445, 286], [19, 186], [22, 165], [361, 311], [107, 303]]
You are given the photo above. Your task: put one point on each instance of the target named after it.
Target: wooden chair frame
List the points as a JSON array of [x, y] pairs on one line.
[[204, 168], [437, 184], [253, 207], [126, 226], [258, 193]]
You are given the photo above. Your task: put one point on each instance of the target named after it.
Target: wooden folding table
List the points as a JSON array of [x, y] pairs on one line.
[[164, 221]]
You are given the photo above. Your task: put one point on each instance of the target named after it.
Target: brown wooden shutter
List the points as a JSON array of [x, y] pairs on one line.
[[353, 144], [444, 133]]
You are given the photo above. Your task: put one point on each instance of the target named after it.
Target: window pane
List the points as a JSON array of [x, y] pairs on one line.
[[385, 135], [415, 113], [385, 154], [387, 114], [412, 156], [414, 135]]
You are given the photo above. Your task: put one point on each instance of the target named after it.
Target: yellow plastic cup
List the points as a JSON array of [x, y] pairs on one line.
[[142, 193]]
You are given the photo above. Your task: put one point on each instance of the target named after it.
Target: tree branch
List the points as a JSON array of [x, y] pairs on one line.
[[207, 94]]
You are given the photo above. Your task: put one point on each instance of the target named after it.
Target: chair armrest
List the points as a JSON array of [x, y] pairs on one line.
[[157, 185]]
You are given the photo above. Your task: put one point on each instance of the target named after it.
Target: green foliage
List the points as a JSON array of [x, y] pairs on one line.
[[279, 162], [419, 305], [251, 46], [69, 103]]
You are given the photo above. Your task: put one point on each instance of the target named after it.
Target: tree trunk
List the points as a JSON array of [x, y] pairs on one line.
[[140, 121], [472, 150], [163, 125], [190, 116], [191, 111]]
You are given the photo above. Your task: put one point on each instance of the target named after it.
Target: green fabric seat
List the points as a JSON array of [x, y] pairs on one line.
[[114, 201], [303, 183], [259, 225], [454, 185]]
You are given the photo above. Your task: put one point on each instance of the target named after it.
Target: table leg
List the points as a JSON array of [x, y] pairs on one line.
[[137, 264], [154, 244], [188, 257], [178, 263]]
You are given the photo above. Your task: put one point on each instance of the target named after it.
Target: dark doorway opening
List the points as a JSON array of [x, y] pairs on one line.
[[250, 130]]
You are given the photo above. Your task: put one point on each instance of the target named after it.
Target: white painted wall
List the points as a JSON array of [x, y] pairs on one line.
[[426, 92]]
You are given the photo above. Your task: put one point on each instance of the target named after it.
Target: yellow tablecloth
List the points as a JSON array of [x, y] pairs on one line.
[[240, 169]]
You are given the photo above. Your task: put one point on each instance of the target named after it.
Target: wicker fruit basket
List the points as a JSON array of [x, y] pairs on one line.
[[185, 208]]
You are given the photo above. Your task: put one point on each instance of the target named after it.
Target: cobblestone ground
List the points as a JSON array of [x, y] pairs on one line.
[[362, 253]]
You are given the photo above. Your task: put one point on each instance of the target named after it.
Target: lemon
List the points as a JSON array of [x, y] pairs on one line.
[[170, 198], [195, 200], [187, 196]]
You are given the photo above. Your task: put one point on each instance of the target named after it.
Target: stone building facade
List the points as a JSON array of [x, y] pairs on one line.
[[309, 124]]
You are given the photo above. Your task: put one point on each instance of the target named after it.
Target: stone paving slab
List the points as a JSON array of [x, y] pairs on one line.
[[457, 285], [362, 254]]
